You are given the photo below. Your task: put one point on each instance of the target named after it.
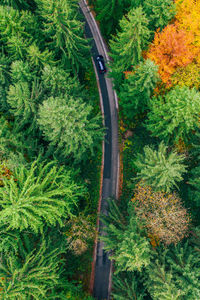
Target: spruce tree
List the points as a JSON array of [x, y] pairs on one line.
[[159, 12], [127, 45], [160, 169], [32, 275], [137, 89], [68, 126], [39, 195], [127, 285], [174, 116], [65, 33]]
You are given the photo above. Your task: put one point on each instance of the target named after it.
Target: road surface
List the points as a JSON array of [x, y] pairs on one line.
[[103, 266]]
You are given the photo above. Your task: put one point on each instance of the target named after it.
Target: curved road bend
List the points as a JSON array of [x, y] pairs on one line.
[[103, 266]]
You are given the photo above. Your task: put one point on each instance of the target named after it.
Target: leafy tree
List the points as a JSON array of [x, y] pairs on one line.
[[67, 125], [159, 12], [175, 115], [31, 276], [163, 214], [171, 49], [160, 169], [137, 89], [37, 195], [127, 45], [126, 286], [187, 18], [65, 33], [80, 231], [131, 249], [187, 76]]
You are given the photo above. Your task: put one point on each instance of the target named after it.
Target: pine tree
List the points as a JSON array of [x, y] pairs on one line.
[[137, 89], [131, 250], [127, 45], [160, 283], [67, 125], [64, 32], [159, 12], [32, 275], [37, 195], [126, 286], [194, 189], [175, 115], [108, 14], [160, 169], [57, 82], [184, 261]]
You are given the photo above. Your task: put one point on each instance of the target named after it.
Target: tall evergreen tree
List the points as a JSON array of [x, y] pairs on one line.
[[109, 13], [37, 195], [159, 12], [160, 169], [127, 45], [175, 115], [126, 286], [131, 250], [67, 124], [137, 89], [65, 33], [32, 275]]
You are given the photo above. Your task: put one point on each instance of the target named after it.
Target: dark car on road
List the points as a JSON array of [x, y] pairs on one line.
[[101, 64]]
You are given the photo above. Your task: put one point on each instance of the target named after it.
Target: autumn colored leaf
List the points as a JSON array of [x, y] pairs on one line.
[[171, 48]]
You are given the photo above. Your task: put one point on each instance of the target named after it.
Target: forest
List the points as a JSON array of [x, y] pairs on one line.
[[50, 149], [153, 229]]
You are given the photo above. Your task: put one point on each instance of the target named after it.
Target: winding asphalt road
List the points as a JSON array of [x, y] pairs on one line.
[[103, 266]]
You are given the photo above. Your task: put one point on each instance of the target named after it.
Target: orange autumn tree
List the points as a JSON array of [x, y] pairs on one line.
[[188, 19], [171, 48]]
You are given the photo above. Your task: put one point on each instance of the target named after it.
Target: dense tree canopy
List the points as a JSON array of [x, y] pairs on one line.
[[175, 115], [67, 125]]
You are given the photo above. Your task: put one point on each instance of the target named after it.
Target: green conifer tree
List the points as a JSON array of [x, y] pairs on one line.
[[127, 45], [67, 124], [137, 89], [175, 115], [37, 195], [160, 169]]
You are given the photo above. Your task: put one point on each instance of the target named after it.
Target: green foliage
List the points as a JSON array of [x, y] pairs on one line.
[[65, 33], [137, 89], [57, 82], [159, 12], [126, 286], [37, 195], [20, 4], [32, 275], [127, 45], [194, 190], [21, 71], [131, 249], [175, 115], [175, 273], [160, 169], [108, 14], [67, 125]]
